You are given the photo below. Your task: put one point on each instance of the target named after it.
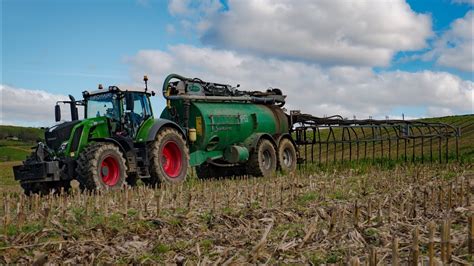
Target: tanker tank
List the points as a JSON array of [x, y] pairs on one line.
[[230, 131]]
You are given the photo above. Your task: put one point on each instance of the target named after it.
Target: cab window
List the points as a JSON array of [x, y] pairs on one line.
[[141, 108]]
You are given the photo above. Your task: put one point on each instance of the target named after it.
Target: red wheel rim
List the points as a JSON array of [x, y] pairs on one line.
[[110, 171], [171, 159]]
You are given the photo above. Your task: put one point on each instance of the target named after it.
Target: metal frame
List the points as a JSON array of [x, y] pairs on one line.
[[344, 139]]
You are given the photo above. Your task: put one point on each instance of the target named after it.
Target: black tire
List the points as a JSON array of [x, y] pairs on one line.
[[45, 188], [207, 171], [132, 179], [101, 166], [169, 158], [263, 160], [35, 188], [287, 156]]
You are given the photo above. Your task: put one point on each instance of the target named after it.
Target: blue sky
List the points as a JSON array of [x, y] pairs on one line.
[[72, 45], [57, 47]]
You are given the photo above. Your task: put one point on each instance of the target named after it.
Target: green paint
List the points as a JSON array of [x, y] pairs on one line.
[[144, 130], [220, 125], [93, 128]]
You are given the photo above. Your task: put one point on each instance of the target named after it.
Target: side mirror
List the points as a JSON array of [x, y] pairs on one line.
[[57, 113], [129, 101]]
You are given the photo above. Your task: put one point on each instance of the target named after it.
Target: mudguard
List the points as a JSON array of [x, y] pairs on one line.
[[159, 124], [286, 136], [252, 141]]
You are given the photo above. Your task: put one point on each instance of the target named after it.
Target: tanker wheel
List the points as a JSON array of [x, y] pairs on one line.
[[101, 166], [169, 158], [207, 171], [287, 156], [263, 160]]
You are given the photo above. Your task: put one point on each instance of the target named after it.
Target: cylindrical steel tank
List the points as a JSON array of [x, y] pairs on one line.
[[222, 124]]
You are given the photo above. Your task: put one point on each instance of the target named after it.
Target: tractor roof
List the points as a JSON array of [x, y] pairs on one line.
[[116, 89]]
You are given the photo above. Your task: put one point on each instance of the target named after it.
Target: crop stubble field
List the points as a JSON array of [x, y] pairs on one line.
[[353, 213], [352, 216]]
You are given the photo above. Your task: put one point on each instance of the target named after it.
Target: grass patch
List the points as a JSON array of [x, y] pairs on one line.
[[9, 153], [206, 244], [307, 198], [160, 248], [294, 230], [7, 182], [334, 256], [338, 195]]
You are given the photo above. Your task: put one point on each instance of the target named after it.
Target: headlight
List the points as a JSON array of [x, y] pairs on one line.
[[63, 146]]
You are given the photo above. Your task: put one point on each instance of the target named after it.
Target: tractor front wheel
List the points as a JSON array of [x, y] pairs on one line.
[[101, 166], [263, 160], [169, 158]]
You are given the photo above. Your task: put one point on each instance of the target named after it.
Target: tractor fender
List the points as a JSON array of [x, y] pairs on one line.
[[123, 145], [285, 136], [161, 123], [126, 147], [251, 142]]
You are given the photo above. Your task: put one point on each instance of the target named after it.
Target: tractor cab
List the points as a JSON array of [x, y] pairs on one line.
[[125, 110]]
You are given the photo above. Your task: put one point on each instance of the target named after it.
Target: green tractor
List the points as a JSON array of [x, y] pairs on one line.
[[118, 142], [216, 128]]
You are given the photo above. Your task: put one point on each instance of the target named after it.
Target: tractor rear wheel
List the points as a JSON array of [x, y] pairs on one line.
[[169, 158], [263, 160], [287, 156], [101, 166]]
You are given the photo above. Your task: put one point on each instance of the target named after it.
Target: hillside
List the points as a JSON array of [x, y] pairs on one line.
[[26, 134], [16, 142], [466, 125]]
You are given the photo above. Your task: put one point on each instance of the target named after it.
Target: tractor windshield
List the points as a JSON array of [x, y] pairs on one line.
[[105, 104]]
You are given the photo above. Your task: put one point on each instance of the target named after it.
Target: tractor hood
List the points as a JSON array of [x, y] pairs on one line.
[[56, 135]]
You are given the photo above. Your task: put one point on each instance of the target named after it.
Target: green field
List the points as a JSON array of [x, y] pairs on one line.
[[13, 152]]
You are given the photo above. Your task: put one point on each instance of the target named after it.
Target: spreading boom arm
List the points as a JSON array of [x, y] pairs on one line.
[[321, 140]]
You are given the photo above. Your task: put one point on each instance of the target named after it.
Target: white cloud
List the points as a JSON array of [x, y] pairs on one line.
[[320, 91], [178, 7], [365, 33], [193, 7], [455, 47], [190, 14], [29, 107]]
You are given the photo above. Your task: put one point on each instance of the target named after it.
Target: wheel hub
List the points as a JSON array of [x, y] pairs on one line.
[[267, 160], [287, 157], [171, 159], [110, 171]]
